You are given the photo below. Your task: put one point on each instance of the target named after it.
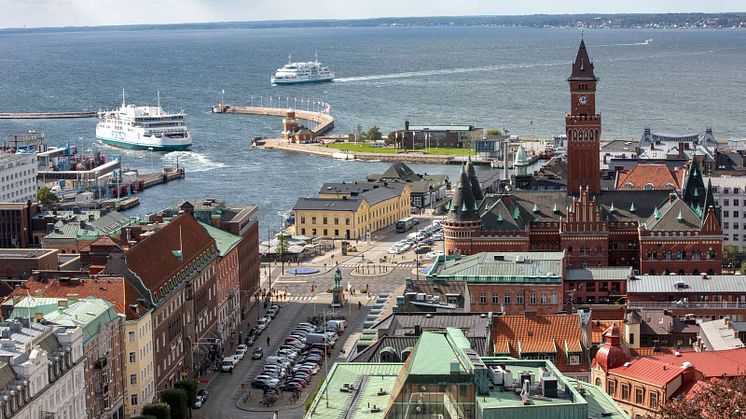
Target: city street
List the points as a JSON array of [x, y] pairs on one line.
[[305, 296]]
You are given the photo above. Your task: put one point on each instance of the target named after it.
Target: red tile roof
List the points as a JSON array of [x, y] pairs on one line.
[[657, 174], [540, 334], [711, 364], [153, 259], [110, 289], [648, 370], [598, 327]]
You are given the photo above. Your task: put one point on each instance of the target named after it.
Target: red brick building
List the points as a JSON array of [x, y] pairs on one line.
[[653, 231], [583, 127]]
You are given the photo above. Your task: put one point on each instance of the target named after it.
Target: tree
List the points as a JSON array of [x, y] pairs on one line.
[[157, 410], [46, 197], [495, 132], [719, 398], [374, 134], [729, 256], [190, 388], [282, 249], [743, 267], [176, 399]]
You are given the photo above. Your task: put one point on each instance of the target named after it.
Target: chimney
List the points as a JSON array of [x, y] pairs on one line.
[[39, 316], [62, 304]]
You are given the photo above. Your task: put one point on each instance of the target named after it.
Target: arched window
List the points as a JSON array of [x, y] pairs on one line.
[[649, 186], [598, 382]]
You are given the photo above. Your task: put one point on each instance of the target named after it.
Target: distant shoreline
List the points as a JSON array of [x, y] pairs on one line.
[[730, 20]]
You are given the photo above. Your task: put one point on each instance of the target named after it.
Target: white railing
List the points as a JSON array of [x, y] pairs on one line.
[[698, 305]]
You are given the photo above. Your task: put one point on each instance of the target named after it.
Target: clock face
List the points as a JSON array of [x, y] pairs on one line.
[[583, 100]]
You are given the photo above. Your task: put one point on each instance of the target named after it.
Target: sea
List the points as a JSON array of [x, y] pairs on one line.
[[512, 79]]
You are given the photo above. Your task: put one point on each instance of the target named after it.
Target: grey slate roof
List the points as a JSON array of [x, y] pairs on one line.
[[402, 324], [328, 204], [666, 284], [670, 221], [610, 273]]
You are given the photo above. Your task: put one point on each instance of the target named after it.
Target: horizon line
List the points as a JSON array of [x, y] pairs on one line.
[[332, 20]]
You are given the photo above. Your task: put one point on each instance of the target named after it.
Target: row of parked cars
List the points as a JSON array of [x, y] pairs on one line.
[[420, 241], [230, 362], [299, 358]]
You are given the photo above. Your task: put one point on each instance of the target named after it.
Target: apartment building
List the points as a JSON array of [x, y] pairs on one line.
[[17, 177]]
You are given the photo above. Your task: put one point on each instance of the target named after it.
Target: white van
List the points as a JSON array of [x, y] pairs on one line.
[[229, 362], [337, 326]]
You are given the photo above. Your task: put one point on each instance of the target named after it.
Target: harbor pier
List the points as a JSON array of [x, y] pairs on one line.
[[47, 115], [324, 121]]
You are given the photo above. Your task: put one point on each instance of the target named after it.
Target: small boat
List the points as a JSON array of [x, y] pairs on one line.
[[343, 156]]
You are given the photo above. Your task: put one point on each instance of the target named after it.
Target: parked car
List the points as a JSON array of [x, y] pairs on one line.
[[250, 340], [422, 250], [434, 255], [265, 383], [292, 386], [241, 351], [258, 353], [229, 362], [201, 398]]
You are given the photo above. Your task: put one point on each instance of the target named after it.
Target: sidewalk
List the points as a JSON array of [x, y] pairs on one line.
[[228, 349]]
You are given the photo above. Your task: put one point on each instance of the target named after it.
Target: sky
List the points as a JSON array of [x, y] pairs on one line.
[[36, 13]]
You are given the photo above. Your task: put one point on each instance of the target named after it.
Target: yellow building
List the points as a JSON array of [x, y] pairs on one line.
[[350, 210], [138, 358]]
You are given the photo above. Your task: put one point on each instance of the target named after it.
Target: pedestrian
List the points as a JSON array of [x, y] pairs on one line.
[[359, 305], [267, 342]]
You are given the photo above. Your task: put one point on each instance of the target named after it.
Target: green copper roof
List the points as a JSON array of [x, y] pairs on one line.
[[554, 208], [680, 217], [536, 208], [500, 217], [656, 213], [632, 208], [90, 313], [516, 213], [463, 207], [696, 191], [224, 240], [611, 208], [520, 157]]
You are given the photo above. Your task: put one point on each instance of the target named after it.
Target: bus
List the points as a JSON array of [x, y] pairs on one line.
[[405, 224]]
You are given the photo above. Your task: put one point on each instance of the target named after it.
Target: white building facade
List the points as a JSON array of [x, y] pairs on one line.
[[42, 371], [730, 195], [18, 177]]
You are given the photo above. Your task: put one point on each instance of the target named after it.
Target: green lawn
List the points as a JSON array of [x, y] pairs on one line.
[[366, 148]]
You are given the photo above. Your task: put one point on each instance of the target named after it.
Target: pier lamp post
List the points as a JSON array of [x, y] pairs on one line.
[[295, 102], [150, 149]]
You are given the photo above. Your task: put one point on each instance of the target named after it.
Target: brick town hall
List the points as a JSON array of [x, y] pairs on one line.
[[654, 231]]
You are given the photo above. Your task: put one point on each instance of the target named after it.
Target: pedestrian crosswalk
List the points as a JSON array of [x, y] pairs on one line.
[[376, 266], [300, 298]]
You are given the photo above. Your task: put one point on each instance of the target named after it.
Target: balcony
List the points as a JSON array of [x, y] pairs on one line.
[[698, 305]]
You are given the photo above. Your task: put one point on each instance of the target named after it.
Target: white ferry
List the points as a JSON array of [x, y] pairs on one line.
[[302, 72], [144, 128]]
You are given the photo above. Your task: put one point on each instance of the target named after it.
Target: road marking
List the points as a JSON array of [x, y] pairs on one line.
[[290, 281]]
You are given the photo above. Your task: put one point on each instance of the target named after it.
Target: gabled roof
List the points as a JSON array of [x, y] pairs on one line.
[[675, 215], [712, 364], [109, 289], [650, 176], [154, 259], [582, 67], [328, 204], [557, 333], [648, 370], [224, 240]]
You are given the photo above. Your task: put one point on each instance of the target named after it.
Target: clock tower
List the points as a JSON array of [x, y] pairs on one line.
[[583, 127]]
